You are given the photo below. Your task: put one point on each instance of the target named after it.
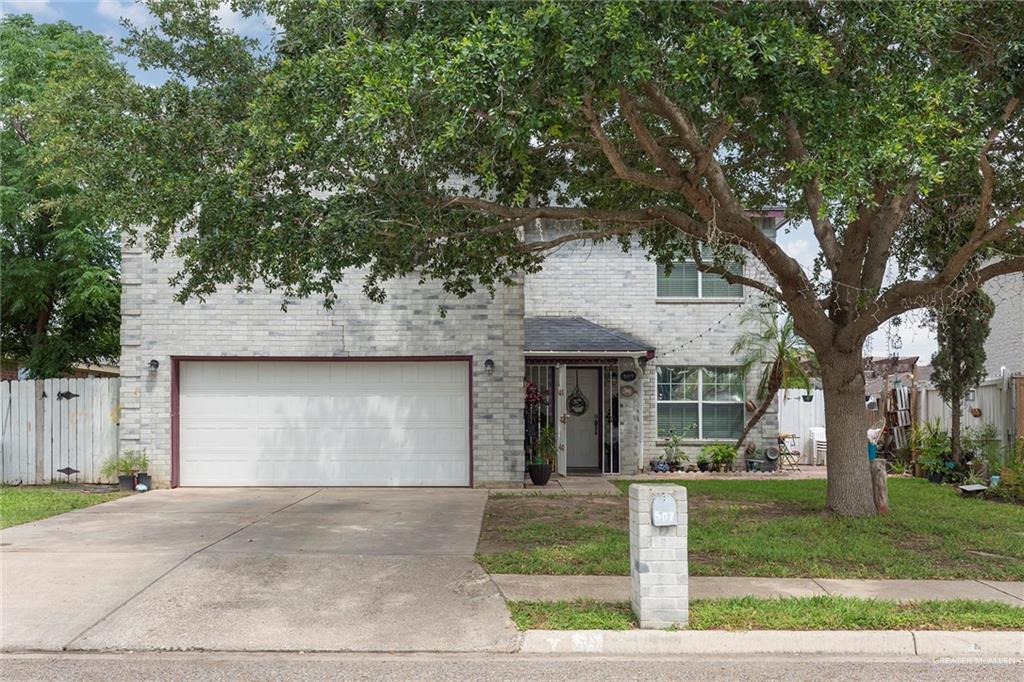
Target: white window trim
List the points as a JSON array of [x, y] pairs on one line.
[[699, 298], [699, 402]]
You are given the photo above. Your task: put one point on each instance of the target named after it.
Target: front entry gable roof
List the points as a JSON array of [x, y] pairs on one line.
[[578, 335]]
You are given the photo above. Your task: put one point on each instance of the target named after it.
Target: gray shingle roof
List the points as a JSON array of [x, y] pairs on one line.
[[575, 335]]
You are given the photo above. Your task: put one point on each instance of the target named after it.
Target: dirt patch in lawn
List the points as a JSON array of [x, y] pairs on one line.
[[707, 505], [507, 520]]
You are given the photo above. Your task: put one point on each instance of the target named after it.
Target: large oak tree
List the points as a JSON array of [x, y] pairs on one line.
[[425, 137]]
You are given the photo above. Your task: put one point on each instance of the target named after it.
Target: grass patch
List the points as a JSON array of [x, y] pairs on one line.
[[796, 613], [23, 504], [768, 529], [583, 614]]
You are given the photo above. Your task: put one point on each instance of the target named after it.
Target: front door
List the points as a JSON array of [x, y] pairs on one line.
[[583, 411]]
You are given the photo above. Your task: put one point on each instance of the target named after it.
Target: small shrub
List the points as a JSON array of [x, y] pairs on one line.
[[129, 463], [674, 454], [116, 466], [721, 455]]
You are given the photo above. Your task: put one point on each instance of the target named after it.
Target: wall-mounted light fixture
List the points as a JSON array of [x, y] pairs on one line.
[[489, 366], [154, 365]]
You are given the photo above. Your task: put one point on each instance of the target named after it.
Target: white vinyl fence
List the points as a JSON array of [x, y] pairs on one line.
[[797, 416], [993, 397], [53, 424]]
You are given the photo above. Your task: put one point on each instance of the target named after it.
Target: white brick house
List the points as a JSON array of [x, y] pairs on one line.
[[1003, 346], [236, 391]]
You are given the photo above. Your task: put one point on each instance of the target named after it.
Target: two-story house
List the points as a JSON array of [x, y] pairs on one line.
[[237, 391]]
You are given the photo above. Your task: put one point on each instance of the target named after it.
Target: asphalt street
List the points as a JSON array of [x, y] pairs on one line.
[[297, 666]]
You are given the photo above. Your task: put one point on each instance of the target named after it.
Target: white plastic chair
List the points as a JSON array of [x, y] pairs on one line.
[[819, 446]]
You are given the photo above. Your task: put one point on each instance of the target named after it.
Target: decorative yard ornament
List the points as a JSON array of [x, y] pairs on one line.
[[67, 471], [577, 402]]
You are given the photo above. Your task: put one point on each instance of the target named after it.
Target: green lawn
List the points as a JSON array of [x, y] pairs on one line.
[[767, 528], [796, 613], [30, 503]]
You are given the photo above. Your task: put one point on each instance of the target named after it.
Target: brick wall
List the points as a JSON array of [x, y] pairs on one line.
[[1003, 348], [253, 324], [618, 290]]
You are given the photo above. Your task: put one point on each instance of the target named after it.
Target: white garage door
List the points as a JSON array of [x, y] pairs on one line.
[[267, 423]]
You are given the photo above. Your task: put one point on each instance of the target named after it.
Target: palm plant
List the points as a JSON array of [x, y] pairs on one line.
[[777, 351]]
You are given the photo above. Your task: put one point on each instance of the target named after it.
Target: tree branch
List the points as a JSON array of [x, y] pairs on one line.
[[622, 170], [880, 239], [729, 276], [924, 293], [815, 200]]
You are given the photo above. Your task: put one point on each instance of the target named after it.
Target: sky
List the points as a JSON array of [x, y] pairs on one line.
[[103, 17]]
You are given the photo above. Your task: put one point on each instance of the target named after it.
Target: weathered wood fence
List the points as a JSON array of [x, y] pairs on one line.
[[53, 424]]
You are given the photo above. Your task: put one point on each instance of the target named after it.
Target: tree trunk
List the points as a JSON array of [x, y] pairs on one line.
[[849, 476], [773, 388], [956, 406]]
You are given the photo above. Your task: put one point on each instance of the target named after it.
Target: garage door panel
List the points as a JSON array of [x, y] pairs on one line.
[[323, 423]]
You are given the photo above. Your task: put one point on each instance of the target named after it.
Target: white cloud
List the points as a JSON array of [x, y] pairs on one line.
[[42, 10], [115, 10], [254, 26]]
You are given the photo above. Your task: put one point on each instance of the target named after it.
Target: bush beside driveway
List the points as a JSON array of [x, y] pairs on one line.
[[767, 529]]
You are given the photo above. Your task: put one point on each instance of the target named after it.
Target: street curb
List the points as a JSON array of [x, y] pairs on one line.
[[872, 642]]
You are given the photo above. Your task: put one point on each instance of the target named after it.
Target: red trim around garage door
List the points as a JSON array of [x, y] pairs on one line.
[[176, 361]]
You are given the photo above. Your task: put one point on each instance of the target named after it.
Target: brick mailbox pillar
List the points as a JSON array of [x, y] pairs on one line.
[[657, 555]]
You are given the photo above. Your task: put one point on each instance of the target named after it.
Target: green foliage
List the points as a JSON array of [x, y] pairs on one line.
[[343, 142], [931, 442], [1011, 484], [774, 350], [137, 461], [985, 442], [129, 463], [547, 447], [673, 450], [720, 455], [60, 301], [116, 466], [959, 364]]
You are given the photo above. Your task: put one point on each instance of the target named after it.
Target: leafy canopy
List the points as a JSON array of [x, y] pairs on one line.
[[60, 299], [425, 137]]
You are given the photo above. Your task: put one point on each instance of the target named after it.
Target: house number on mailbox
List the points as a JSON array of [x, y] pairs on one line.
[[663, 510]]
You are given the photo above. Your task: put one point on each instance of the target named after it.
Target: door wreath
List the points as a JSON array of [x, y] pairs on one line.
[[577, 403]]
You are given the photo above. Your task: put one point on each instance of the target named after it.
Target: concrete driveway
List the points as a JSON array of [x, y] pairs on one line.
[[283, 569]]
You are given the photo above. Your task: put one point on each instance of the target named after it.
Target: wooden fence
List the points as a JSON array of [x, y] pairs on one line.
[[53, 424]]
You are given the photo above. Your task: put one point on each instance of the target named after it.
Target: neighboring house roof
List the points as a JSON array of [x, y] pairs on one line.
[[578, 335]]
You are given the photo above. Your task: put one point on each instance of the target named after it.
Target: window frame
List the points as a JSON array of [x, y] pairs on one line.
[[700, 402], [660, 274]]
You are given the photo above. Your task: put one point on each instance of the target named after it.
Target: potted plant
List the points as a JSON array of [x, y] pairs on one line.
[[544, 452], [703, 461], [721, 455], [674, 455], [121, 467], [139, 464]]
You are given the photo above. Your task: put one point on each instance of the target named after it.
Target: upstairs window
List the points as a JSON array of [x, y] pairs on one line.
[[686, 281]]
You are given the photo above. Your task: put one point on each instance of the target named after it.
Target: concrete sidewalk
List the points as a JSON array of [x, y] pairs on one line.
[[617, 588]]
